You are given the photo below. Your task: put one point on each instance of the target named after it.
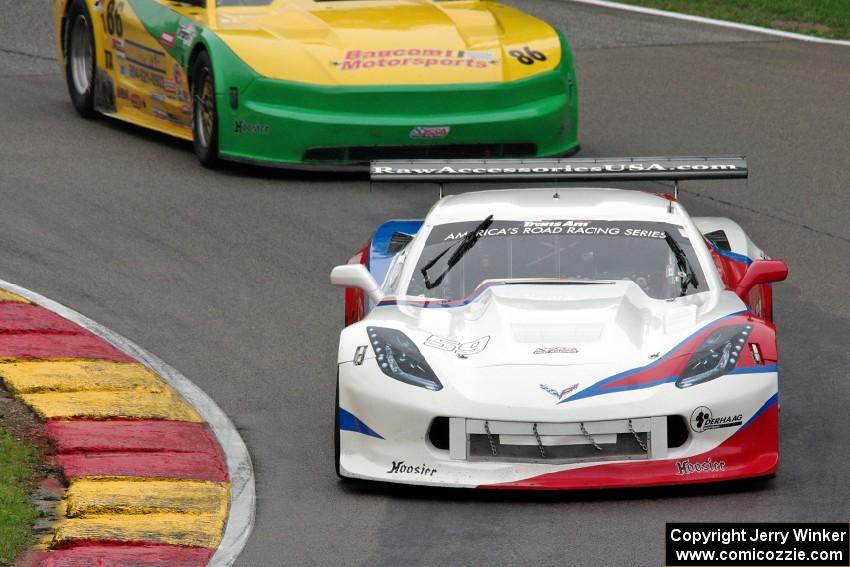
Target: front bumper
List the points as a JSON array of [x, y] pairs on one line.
[[289, 124], [396, 446]]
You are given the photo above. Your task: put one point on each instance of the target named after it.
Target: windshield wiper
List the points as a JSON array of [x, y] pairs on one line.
[[463, 247], [683, 263]]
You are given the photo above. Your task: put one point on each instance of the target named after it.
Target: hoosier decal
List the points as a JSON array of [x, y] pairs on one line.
[[687, 467], [243, 127], [399, 467]]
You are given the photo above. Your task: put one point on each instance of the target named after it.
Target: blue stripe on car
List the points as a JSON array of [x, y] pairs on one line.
[[350, 422], [745, 370], [594, 390], [734, 256]]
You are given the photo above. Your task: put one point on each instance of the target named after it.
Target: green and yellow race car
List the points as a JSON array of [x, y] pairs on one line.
[[324, 82]]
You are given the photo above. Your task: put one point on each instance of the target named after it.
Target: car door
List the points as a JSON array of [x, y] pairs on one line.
[[148, 79]]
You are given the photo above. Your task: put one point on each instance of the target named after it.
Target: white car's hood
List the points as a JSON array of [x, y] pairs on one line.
[[555, 324], [512, 339], [562, 325]]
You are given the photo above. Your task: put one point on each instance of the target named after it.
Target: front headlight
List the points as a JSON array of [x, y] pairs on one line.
[[398, 357], [717, 355]]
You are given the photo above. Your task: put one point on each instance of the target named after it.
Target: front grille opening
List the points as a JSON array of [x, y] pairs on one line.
[[625, 447], [362, 154], [438, 433], [677, 431], [325, 154]]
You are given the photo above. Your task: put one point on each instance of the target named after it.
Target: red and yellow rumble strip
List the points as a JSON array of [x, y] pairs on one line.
[[146, 482]]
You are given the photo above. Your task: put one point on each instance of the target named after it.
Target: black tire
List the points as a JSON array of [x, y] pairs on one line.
[[204, 112], [79, 46], [336, 428]]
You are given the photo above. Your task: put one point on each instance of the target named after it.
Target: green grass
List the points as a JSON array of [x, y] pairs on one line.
[[17, 514], [824, 18]]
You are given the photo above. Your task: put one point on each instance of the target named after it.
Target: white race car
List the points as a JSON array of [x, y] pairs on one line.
[[558, 338]]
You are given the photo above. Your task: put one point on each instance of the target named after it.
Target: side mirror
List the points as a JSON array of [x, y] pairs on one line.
[[356, 275], [761, 272]]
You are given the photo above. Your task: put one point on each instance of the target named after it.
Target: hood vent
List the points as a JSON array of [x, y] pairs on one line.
[[557, 334]]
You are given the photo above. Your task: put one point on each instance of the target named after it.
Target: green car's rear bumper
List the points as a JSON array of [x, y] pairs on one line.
[[290, 124]]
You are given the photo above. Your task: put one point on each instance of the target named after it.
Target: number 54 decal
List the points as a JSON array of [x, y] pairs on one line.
[[527, 56], [450, 345]]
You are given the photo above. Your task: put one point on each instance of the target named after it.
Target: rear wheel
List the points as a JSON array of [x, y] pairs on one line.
[[79, 58], [204, 115]]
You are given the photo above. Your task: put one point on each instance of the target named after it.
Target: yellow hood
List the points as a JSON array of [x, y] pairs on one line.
[[388, 42]]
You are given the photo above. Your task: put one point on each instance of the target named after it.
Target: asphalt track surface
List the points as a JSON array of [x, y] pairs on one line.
[[224, 276]]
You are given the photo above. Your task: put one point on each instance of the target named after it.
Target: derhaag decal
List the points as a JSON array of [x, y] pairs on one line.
[[702, 420]]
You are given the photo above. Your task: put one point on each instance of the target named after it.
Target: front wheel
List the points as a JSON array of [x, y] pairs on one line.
[[79, 58], [204, 115]]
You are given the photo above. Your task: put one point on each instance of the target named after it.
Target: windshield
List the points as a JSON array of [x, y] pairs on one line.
[[555, 249]]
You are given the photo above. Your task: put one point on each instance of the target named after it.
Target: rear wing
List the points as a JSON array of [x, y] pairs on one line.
[[567, 169]]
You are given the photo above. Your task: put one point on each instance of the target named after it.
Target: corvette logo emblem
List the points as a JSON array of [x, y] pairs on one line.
[[560, 395]]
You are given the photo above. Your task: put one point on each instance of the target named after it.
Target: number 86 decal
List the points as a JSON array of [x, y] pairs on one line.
[[114, 25], [527, 56]]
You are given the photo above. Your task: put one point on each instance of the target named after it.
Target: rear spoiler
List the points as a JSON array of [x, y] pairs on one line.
[[567, 169]]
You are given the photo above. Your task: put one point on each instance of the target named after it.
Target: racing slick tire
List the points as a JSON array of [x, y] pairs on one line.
[[336, 429], [80, 59], [204, 112]]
